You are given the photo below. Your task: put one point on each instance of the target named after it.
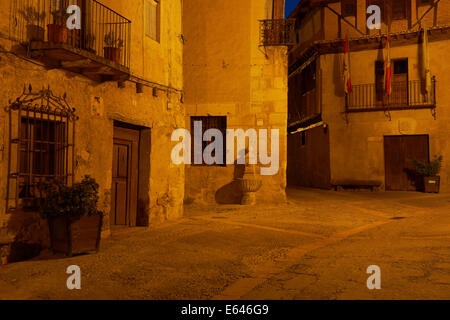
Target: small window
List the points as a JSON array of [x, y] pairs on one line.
[[210, 122], [152, 19], [348, 8], [399, 9], [303, 138]]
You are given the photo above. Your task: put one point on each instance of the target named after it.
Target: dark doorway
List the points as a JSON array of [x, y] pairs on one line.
[[125, 170], [399, 153]]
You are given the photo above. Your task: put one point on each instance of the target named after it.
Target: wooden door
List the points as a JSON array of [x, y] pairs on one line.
[[399, 96], [379, 83], [399, 153], [125, 170]]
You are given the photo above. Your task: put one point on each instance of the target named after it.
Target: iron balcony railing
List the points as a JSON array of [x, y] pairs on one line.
[[404, 95], [102, 31], [277, 32]]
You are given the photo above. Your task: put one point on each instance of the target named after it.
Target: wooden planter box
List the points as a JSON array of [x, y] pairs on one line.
[[75, 235], [431, 184], [57, 33]]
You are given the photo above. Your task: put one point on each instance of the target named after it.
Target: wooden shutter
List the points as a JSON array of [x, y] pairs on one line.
[[210, 122], [379, 81], [151, 21]]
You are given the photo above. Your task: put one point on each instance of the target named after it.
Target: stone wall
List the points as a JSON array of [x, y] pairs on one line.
[[227, 74], [162, 189], [357, 146]]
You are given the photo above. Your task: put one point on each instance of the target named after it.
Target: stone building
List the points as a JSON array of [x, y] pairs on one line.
[[122, 72], [235, 77], [366, 138]]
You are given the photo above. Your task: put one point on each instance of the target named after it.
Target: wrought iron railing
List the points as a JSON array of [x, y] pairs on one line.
[[277, 32], [404, 95], [103, 31]]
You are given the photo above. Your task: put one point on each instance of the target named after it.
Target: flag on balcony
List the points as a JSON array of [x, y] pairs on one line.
[[426, 62], [387, 68], [347, 80]]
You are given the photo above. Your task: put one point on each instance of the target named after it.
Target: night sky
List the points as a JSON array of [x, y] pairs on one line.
[[290, 5]]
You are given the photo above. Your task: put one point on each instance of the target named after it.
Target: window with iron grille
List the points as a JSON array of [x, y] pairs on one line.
[[210, 122], [152, 19], [348, 8], [40, 146]]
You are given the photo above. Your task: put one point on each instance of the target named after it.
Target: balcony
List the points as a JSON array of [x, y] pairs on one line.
[[99, 50], [405, 95], [277, 32]]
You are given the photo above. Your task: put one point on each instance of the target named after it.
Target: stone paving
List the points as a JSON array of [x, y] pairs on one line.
[[318, 245]]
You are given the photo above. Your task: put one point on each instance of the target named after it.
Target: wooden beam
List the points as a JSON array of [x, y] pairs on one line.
[[82, 63], [341, 17]]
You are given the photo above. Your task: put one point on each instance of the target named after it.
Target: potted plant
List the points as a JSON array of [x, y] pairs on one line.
[[74, 221], [429, 173], [113, 48], [57, 31], [32, 17]]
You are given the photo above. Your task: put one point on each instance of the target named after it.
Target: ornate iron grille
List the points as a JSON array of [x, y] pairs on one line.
[[277, 32], [41, 145]]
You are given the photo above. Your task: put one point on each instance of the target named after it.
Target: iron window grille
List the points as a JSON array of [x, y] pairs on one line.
[[41, 145]]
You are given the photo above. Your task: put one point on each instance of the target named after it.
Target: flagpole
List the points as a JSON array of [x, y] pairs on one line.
[[426, 64], [388, 68]]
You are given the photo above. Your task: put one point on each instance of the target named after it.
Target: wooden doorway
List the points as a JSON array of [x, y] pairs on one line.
[[125, 170], [399, 153], [399, 96]]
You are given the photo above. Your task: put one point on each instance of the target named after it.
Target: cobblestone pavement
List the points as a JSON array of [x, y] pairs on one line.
[[318, 245]]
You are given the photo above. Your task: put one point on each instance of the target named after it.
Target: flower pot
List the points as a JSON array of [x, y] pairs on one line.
[[249, 184], [35, 33], [112, 53], [57, 33], [75, 235], [431, 184]]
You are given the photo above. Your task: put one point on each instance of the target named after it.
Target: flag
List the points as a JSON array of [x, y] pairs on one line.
[[347, 80], [387, 68], [426, 62]]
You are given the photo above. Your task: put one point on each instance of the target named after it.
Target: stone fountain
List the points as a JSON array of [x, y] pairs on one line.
[[249, 184]]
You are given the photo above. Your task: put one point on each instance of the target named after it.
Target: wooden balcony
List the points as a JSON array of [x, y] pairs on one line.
[[277, 32], [99, 50], [404, 95]]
